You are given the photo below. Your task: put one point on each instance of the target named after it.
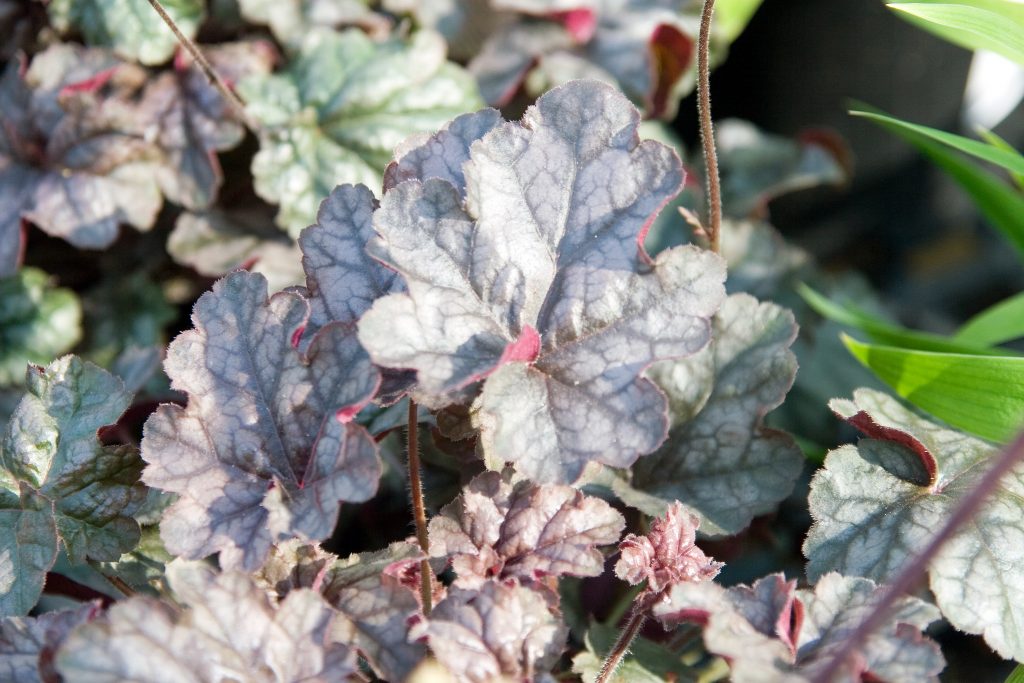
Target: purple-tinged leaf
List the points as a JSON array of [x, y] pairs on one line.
[[195, 122], [770, 631], [226, 628], [667, 555], [527, 532], [344, 103], [876, 505], [266, 448], [74, 158], [214, 243], [69, 486], [374, 607], [720, 460], [28, 644], [38, 322], [536, 282], [495, 633]]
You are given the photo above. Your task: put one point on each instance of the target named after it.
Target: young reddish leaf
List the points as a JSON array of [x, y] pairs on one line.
[[667, 555], [57, 481], [374, 607], [195, 122], [265, 449], [28, 644], [74, 158], [720, 460], [770, 631], [226, 627], [527, 532], [876, 505], [344, 103], [545, 268], [500, 631]]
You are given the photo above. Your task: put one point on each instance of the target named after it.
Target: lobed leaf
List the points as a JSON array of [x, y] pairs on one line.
[[373, 606], [266, 448], [496, 632], [536, 281], [226, 627], [27, 644], [292, 20], [132, 28], [495, 529], [720, 460], [876, 505], [339, 110], [771, 631]]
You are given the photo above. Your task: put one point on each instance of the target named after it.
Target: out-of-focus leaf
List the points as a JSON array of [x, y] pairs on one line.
[[543, 289], [58, 481], [644, 47], [732, 16], [527, 532], [646, 662], [144, 567], [124, 312], [757, 167], [74, 156], [18, 26], [1000, 203], [340, 109], [226, 627], [195, 122], [374, 606], [996, 25], [266, 448], [37, 323], [877, 504], [993, 139], [1017, 675], [1009, 160], [497, 632], [720, 460], [772, 632], [1000, 323], [27, 644], [214, 243], [292, 20], [983, 395], [884, 332], [131, 27]]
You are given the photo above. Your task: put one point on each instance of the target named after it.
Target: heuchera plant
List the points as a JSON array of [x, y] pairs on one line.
[[592, 395]]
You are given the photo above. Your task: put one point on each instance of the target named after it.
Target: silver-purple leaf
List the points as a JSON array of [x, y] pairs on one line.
[[266, 448], [494, 633], [772, 632], [57, 481], [27, 644], [720, 460], [876, 505], [226, 628], [498, 530], [374, 607], [535, 280]]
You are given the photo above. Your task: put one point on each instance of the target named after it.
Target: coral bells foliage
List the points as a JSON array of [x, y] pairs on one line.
[[667, 555]]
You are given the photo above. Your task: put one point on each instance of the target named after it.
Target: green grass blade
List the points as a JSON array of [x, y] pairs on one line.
[[983, 395], [1017, 675], [996, 141], [970, 26], [997, 324]]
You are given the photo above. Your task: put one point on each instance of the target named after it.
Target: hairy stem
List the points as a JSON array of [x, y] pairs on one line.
[[636, 622], [707, 130], [912, 572], [419, 511], [229, 95]]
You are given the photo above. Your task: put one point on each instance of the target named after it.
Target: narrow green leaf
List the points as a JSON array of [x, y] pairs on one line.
[[993, 139], [887, 333], [997, 324], [983, 395], [1017, 675], [996, 27], [1011, 161], [1000, 203]]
